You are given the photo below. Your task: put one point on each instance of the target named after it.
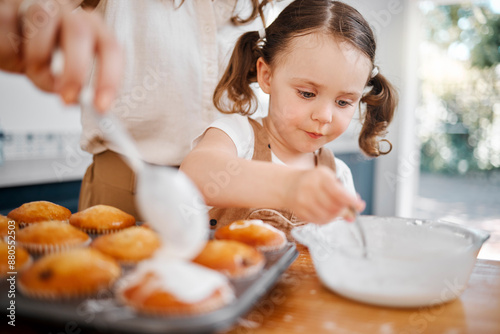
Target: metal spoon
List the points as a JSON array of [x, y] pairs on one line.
[[360, 230], [166, 197]]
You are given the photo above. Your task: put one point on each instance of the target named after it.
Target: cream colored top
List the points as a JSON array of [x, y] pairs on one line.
[[174, 56]]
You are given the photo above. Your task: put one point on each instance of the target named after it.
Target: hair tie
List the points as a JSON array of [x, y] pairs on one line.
[[262, 33], [374, 72]]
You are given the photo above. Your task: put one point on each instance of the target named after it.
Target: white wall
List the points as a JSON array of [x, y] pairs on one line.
[[42, 136], [24, 108]]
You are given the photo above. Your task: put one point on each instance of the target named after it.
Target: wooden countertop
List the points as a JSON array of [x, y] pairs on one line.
[[299, 303]]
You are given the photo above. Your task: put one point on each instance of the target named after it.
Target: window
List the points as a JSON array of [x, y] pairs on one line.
[[458, 115]]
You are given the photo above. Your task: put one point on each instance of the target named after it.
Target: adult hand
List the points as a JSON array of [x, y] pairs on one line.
[[31, 30], [318, 196]]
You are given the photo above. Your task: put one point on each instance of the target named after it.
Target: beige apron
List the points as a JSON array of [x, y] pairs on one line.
[[284, 220], [110, 181]]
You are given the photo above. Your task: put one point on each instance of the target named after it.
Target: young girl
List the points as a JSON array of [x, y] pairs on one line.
[[316, 62]]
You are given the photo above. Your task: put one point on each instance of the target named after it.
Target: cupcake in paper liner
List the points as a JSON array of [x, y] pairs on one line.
[[13, 258], [231, 258], [255, 233], [51, 237], [76, 273], [174, 287], [101, 219], [130, 245], [39, 211]]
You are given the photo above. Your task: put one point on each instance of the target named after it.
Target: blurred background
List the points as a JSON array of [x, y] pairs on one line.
[[442, 55]]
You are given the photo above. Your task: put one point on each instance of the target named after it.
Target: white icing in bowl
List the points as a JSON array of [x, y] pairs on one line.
[[410, 262]]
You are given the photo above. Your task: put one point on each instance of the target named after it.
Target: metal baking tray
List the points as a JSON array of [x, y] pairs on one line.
[[104, 314]]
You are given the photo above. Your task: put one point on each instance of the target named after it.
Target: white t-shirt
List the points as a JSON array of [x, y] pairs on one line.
[[239, 129], [174, 57]]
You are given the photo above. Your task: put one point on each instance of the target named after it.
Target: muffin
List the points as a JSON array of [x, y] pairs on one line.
[[20, 259], [254, 233], [128, 246], [39, 211], [232, 258], [101, 219], [177, 288], [50, 237], [5, 226], [78, 272]]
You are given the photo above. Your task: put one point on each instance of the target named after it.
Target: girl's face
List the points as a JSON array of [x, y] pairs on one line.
[[314, 87]]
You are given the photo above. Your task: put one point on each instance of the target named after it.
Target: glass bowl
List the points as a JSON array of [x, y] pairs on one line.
[[410, 262]]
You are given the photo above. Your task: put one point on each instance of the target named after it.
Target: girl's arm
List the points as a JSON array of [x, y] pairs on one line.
[[225, 180]]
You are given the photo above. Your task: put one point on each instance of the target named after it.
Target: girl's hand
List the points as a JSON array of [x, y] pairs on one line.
[[318, 196], [30, 35]]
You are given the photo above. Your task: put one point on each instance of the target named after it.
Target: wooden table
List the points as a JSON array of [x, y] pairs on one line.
[[299, 303]]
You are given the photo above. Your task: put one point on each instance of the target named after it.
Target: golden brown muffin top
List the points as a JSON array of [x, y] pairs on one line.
[[230, 257], [102, 217], [76, 271], [38, 211], [129, 245], [255, 233], [51, 233]]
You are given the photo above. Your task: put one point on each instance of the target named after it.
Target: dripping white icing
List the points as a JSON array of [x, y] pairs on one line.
[[247, 223], [187, 281]]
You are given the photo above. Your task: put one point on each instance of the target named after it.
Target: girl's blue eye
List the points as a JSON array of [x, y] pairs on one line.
[[306, 95], [343, 103]]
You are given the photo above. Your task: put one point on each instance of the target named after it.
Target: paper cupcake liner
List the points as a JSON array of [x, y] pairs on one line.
[[39, 249], [24, 224], [271, 248], [220, 300], [249, 272], [101, 230], [61, 295]]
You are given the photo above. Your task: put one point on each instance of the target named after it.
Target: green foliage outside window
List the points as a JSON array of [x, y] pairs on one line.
[[459, 113]]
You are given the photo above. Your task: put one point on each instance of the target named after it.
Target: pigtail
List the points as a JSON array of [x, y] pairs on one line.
[[257, 10], [233, 93], [380, 102]]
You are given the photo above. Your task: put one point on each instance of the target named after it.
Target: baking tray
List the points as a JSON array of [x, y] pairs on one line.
[[104, 314]]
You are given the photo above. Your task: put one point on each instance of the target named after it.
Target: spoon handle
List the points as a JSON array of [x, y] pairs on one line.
[[111, 127], [360, 230], [113, 130]]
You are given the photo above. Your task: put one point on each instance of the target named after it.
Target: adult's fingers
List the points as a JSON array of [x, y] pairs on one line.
[[39, 26], [10, 38], [78, 40], [81, 35], [110, 65]]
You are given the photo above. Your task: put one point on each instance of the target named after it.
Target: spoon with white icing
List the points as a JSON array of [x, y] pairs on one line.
[[166, 197]]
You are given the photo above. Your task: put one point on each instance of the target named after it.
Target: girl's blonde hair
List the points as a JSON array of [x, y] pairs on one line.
[[303, 17]]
